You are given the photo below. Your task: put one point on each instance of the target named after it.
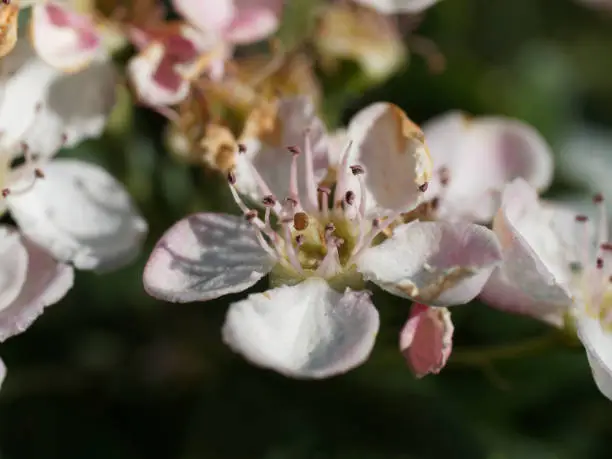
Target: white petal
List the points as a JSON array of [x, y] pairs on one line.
[[435, 263], [392, 151], [598, 344], [80, 214], [254, 20], [481, 155], [398, 6], [38, 106], [14, 266], [205, 256], [269, 130], [206, 15], [305, 331], [63, 38], [46, 283]]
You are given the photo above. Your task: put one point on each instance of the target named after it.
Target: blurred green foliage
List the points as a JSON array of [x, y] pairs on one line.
[[111, 373]]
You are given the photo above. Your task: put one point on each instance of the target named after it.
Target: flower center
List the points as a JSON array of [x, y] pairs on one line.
[[595, 276], [309, 235]]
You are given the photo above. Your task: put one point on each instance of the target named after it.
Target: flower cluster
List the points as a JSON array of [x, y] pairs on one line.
[[438, 215]]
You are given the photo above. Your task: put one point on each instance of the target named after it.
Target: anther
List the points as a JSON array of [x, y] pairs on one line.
[[242, 148], [598, 198], [606, 246], [292, 201], [269, 201], [5, 192], [349, 197], [435, 203], [444, 176], [251, 215], [231, 178], [376, 223], [582, 218], [330, 228], [294, 150], [299, 239], [39, 173], [600, 263], [357, 169], [423, 187], [300, 221]]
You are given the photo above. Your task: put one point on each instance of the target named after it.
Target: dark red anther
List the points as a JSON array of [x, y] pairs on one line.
[[606, 246], [598, 198], [349, 197], [600, 263], [299, 239], [269, 201], [39, 173], [435, 203], [294, 150], [5, 192], [250, 215], [330, 228], [231, 177], [581, 218], [357, 169], [423, 187], [242, 148]]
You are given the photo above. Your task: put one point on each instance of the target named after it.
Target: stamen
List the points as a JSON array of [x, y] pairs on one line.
[[290, 250], [269, 201], [423, 187], [293, 179], [342, 174], [324, 207], [299, 240], [330, 265], [311, 181], [349, 198], [300, 221], [29, 167]]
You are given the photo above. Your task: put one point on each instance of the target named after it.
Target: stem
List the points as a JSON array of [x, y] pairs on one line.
[[523, 348]]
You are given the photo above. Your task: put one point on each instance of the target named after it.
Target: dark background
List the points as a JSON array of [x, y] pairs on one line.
[[110, 373]]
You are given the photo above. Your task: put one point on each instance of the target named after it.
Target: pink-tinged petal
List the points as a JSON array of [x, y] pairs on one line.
[[477, 157], [63, 38], [426, 341], [80, 214], [435, 263], [598, 344], [535, 275], [392, 151], [2, 372], [14, 266], [205, 256], [207, 15], [47, 282], [254, 20], [269, 130], [307, 330], [155, 78], [397, 6], [38, 107]]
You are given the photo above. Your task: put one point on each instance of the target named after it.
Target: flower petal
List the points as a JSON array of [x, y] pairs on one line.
[[598, 344], [307, 330], [46, 283], [478, 157], [207, 15], [269, 130], [63, 38], [38, 107], [398, 6], [14, 266], [2, 372], [254, 20], [436, 263], [205, 256], [426, 340], [80, 214], [535, 275], [155, 78], [392, 151]]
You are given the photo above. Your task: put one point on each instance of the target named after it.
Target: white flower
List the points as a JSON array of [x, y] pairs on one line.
[[78, 212], [30, 280], [319, 248], [397, 6], [557, 267], [476, 157]]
